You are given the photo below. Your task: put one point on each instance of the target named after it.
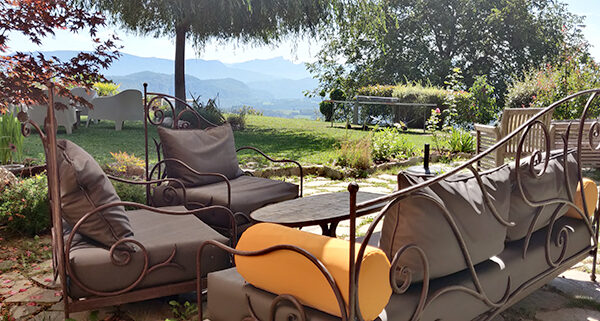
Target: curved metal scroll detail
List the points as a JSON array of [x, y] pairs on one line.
[[594, 133], [192, 171], [159, 114], [278, 161], [26, 130], [274, 306], [407, 273]]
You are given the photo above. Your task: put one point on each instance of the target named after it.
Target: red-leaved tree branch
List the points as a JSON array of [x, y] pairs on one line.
[[23, 75]]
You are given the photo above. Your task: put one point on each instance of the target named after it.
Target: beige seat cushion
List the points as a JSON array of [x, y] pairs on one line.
[[248, 193], [160, 234], [418, 220], [209, 150], [83, 187]]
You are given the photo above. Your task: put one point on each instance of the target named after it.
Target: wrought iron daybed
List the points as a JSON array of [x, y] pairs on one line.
[[104, 255], [446, 264], [205, 160]]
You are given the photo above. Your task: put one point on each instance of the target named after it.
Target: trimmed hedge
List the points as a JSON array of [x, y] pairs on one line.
[[406, 93], [476, 105]]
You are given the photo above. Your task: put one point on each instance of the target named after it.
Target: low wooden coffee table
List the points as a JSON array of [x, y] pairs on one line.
[[325, 210]]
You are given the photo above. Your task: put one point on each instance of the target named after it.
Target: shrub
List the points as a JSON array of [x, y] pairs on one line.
[[249, 110], [24, 207], [521, 93], [389, 144], [237, 119], [541, 87], [461, 102], [11, 139], [461, 141], [478, 105], [126, 165], [356, 154], [106, 88], [339, 111], [377, 90], [438, 131], [130, 193], [326, 108], [415, 92], [210, 111]]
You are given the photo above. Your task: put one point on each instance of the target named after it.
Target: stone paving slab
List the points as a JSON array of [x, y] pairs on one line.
[[577, 284], [23, 311], [572, 314], [35, 294], [49, 316], [47, 280]]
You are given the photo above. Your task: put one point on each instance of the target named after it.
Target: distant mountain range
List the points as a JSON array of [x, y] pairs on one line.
[[275, 86]]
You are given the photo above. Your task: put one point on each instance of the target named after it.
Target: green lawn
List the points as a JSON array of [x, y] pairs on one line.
[[308, 141]]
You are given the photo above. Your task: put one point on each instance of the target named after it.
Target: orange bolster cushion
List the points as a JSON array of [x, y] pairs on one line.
[[590, 189], [289, 272]]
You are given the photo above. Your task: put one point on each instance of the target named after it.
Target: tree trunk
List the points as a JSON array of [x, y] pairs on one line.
[[180, 65]]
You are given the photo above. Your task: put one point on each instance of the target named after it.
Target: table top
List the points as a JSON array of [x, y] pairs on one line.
[[314, 209]]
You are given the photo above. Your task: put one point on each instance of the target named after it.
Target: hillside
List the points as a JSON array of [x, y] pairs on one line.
[[274, 86], [231, 93]]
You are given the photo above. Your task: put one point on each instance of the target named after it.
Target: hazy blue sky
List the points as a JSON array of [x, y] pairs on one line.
[[232, 52]]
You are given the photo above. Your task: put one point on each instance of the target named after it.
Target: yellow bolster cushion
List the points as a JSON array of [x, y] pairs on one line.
[[590, 189], [288, 272]]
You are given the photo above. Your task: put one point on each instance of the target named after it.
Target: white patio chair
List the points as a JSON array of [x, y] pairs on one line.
[[88, 95], [126, 105], [64, 117]]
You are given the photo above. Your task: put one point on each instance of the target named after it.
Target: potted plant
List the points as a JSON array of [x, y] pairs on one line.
[[11, 142]]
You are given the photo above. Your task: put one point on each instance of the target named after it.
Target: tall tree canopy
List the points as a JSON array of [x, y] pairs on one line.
[[262, 21], [22, 75], [425, 39]]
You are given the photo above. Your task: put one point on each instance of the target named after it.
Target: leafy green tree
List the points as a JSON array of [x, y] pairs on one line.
[[255, 21], [388, 42]]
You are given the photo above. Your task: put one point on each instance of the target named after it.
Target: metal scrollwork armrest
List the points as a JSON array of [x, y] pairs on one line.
[[135, 182], [277, 161], [124, 257], [157, 182], [195, 172]]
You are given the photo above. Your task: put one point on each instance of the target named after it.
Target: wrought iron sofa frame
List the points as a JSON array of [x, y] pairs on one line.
[[349, 310], [155, 116], [61, 248]]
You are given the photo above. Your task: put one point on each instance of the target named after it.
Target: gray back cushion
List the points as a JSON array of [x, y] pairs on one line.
[[209, 150], [418, 220], [83, 187], [551, 185]]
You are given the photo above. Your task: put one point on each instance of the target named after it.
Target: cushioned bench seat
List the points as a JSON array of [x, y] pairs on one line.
[[160, 234], [523, 269], [248, 193], [227, 289]]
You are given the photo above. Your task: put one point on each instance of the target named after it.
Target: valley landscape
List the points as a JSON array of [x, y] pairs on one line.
[[273, 86]]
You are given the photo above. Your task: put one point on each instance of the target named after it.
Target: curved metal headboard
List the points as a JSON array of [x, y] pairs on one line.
[[537, 166]]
